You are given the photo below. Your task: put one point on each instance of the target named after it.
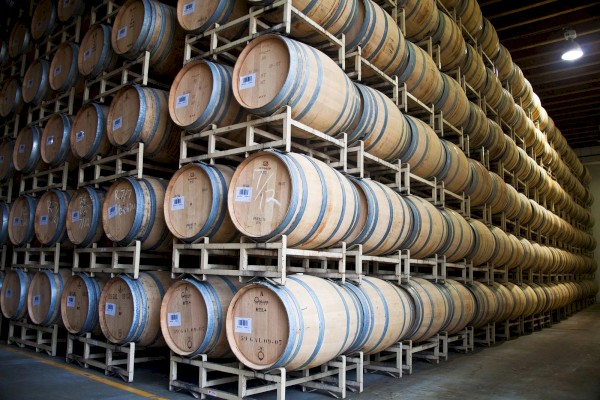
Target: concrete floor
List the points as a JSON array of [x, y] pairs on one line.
[[561, 362]]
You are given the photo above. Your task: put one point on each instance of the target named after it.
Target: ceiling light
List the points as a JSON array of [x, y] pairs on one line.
[[573, 50]]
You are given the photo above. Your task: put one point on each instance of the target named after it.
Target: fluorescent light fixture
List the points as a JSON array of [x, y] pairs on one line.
[[573, 50]]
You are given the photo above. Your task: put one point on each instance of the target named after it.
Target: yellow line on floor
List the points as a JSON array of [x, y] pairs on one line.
[[85, 373]]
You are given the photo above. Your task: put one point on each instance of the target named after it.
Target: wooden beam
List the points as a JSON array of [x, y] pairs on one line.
[[563, 78], [579, 114], [554, 50], [565, 69], [572, 104], [556, 60], [551, 35], [517, 10], [553, 88], [549, 104], [546, 17]]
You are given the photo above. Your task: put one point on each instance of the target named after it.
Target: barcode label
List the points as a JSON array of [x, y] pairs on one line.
[[182, 101], [177, 203], [117, 123], [189, 8], [79, 136], [29, 83], [110, 309], [243, 325], [75, 216], [247, 81], [50, 141], [21, 148], [174, 319], [243, 194], [16, 221], [36, 300], [57, 70], [121, 33], [43, 220], [112, 211], [8, 294], [87, 54], [71, 301]]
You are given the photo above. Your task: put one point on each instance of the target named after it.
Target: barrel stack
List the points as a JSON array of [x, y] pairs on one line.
[[389, 191]]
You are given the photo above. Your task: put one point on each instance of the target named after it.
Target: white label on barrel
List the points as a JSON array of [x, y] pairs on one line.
[[247, 81], [189, 8], [87, 54], [182, 101], [243, 194], [112, 211], [174, 319], [71, 301], [50, 141], [16, 221], [117, 123], [21, 148], [121, 33], [44, 220], [29, 83], [79, 136], [57, 70], [177, 203], [243, 325], [36, 300], [75, 216], [8, 294], [110, 309]]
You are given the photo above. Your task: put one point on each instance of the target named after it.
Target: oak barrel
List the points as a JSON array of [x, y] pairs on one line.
[[79, 303], [20, 39], [43, 20], [448, 35], [96, 54], [422, 18], [460, 238], [67, 10], [4, 222], [26, 153], [21, 220], [64, 74], [421, 75], [13, 300], [88, 136], [431, 309], [12, 97], [200, 16], [480, 186], [425, 154], [485, 244], [462, 308], [43, 296], [473, 68], [84, 216], [456, 173], [486, 304], [51, 217], [471, 17], [428, 230], [454, 103], [36, 84], [55, 145], [7, 166]]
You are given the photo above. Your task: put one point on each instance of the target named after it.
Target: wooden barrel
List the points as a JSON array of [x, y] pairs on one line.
[[382, 224], [51, 217], [506, 107], [64, 74], [448, 35], [422, 18], [379, 37], [505, 301], [485, 244], [293, 74], [477, 127], [96, 55], [7, 166], [21, 220], [133, 210], [503, 62], [20, 39], [13, 300], [471, 17], [201, 95], [428, 231], [199, 17], [454, 103], [460, 238], [84, 216], [67, 10], [148, 25], [26, 153], [379, 124], [510, 156], [36, 85], [305, 323], [141, 114], [431, 309], [473, 68], [55, 144], [193, 313], [421, 75], [489, 41], [502, 249], [480, 186], [516, 82], [79, 303], [492, 89], [269, 196], [425, 154], [12, 97], [499, 196], [43, 296], [129, 309], [43, 20], [462, 306], [456, 173], [486, 304], [542, 297], [388, 314], [196, 203], [495, 141], [4, 222], [529, 255], [4, 58], [531, 299], [88, 137]]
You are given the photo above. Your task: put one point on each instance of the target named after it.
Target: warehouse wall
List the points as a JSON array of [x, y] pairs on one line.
[[595, 189]]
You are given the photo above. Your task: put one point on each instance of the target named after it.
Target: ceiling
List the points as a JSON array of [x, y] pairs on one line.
[[533, 33]]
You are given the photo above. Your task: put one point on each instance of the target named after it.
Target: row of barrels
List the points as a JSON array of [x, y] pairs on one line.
[[303, 324], [272, 194]]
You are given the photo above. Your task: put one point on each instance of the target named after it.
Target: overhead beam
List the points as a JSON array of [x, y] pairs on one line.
[[565, 77], [551, 35], [545, 17], [557, 60], [520, 9], [572, 104], [532, 77]]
